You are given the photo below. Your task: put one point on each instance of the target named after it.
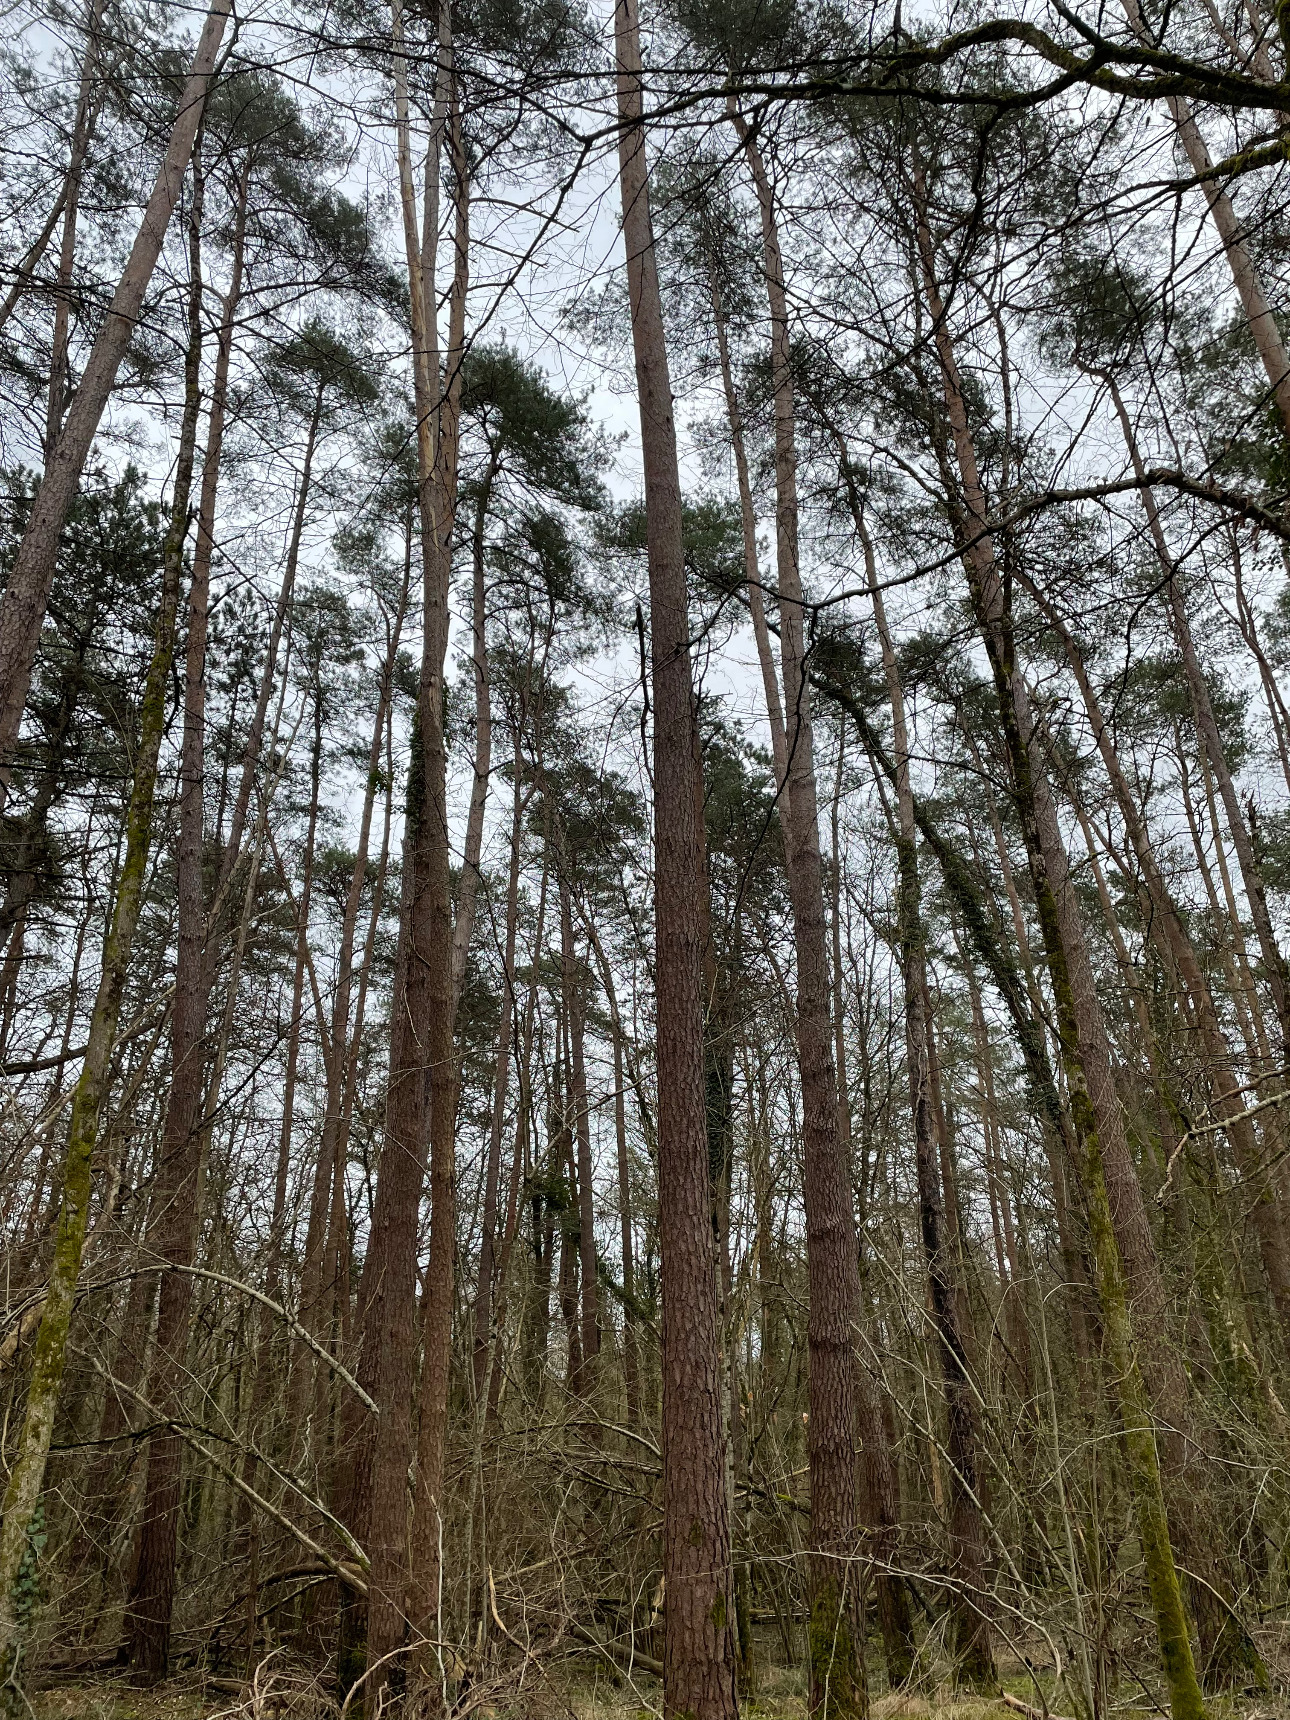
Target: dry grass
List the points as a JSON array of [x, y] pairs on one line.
[[103, 1701], [278, 1693], [284, 1693]]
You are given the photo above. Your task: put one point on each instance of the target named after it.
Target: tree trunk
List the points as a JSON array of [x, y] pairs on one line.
[[22, 608], [631, 1356], [255, 733], [570, 1253], [468, 889], [521, 1166], [405, 1590], [973, 1649], [437, 1316], [1167, 929], [1092, 1106], [698, 1675], [1259, 317], [748, 522], [1002, 1196], [269, 1355], [329, 1170], [501, 1073], [836, 1651], [28, 1465], [172, 1220], [59, 374], [1274, 965], [574, 984]]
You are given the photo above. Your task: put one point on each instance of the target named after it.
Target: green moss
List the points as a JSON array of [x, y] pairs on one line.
[[838, 1691]]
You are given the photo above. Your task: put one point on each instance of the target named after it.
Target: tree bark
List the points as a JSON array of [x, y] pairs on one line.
[[836, 1649], [698, 1662], [26, 1474], [437, 1316], [172, 1221], [22, 608], [59, 374], [748, 522], [282, 609], [468, 890], [1168, 931], [501, 1074], [631, 1355], [1113, 1208], [973, 1647], [1259, 318], [329, 1169], [574, 984], [1274, 965]]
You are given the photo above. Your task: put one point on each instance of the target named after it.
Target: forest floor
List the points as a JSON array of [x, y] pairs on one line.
[[780, 1697]]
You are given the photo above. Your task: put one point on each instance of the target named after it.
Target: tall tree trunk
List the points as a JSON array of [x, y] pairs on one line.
[[1168, 931], [521, 1164], [339, 1072], [1002, 1196], [336, 1248], [748, 522], [27, 1470], [282, 610], [405, 1590], [1081, 1037], [1259, 317], [543, 1204], [1022, 1000], [573, 981], [172, 1222], [563, 1154], [59, 372], [1274, 965], [698, 1660], [536, 1313], [501, 1075], [1278, 715], [376, 1493], [468, 890], [836, 1650], [631, 1352], [973, 1648], [437, 1316], [268, 1351], [22, 608]]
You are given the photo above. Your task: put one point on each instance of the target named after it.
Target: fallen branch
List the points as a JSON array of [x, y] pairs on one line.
[[344, 1573], [347, 1574], [289, 1320], [1020, 1707], [628, 1659]]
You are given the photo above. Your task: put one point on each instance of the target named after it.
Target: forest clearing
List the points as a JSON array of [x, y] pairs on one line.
[[645, 859]]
